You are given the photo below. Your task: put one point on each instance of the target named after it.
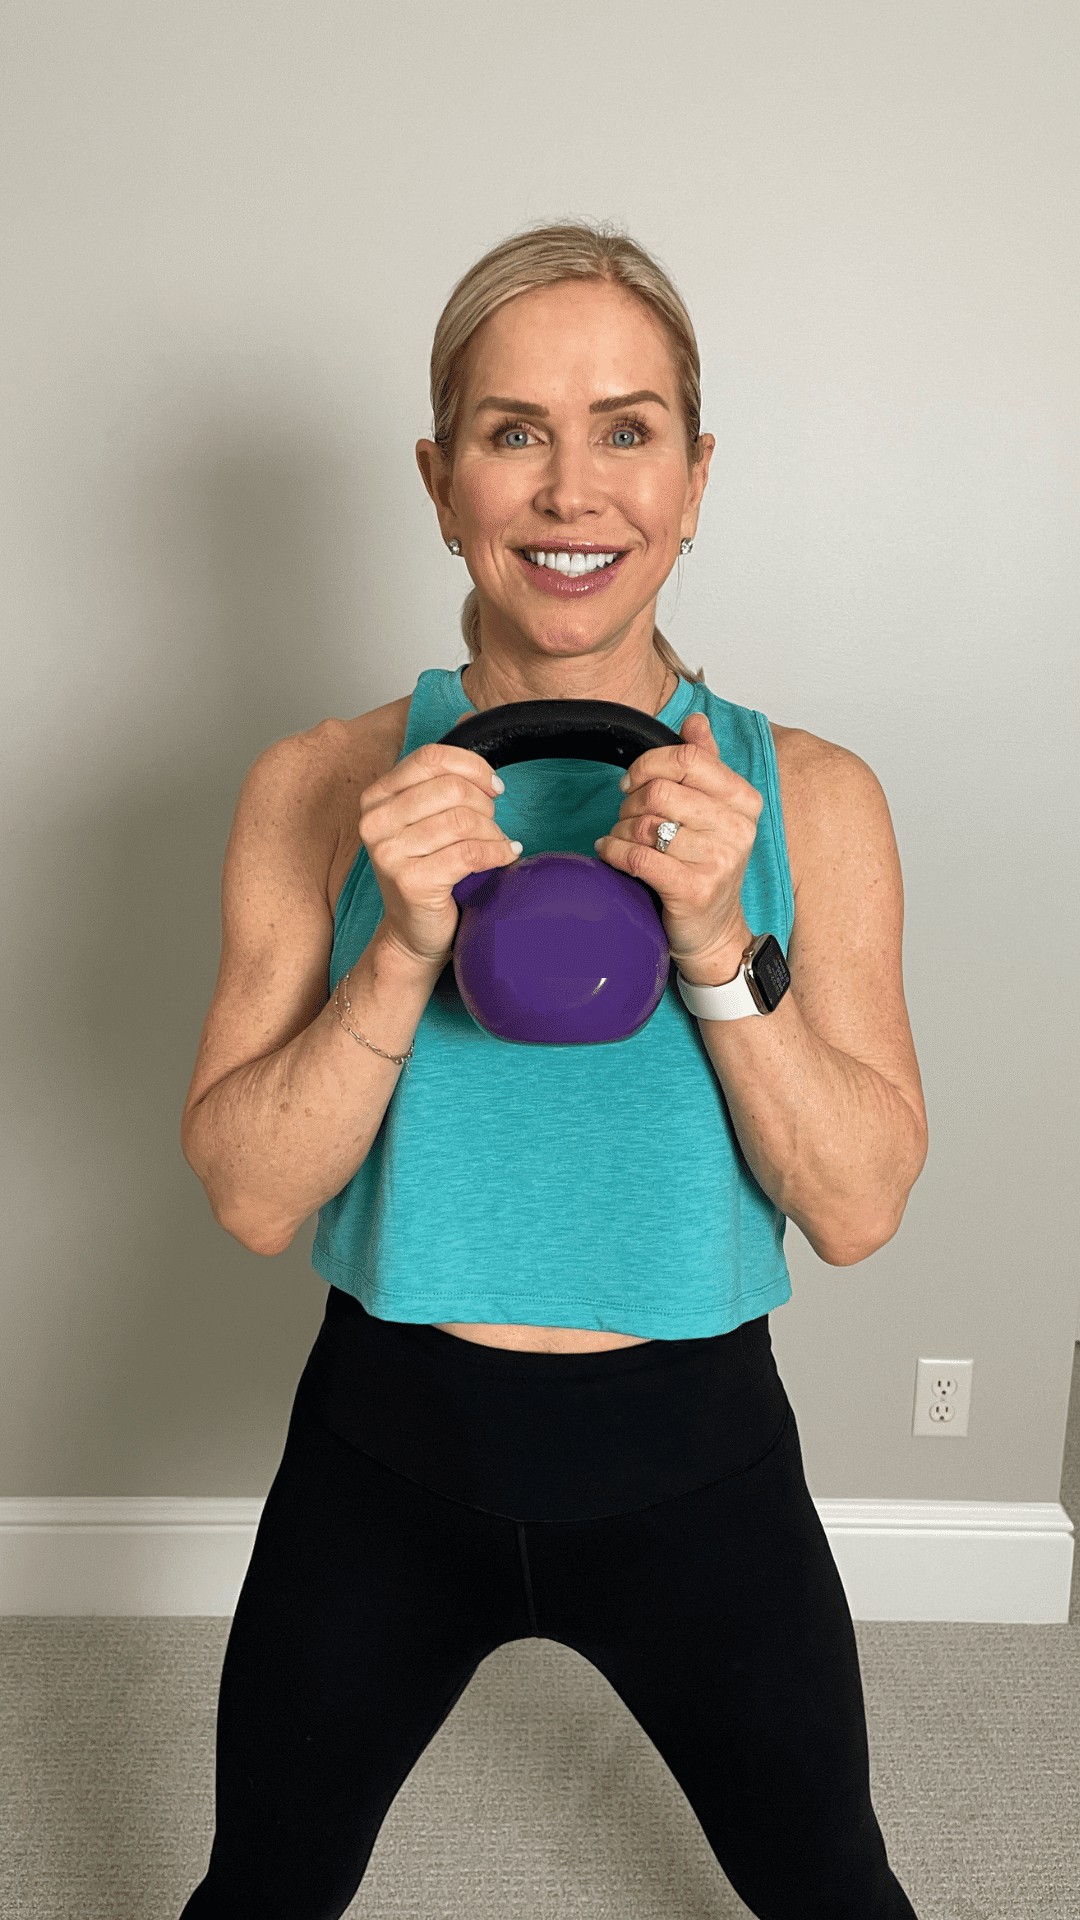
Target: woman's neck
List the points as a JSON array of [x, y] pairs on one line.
[[665, 682]]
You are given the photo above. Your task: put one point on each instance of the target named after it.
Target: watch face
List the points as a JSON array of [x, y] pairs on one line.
[[770, 972]]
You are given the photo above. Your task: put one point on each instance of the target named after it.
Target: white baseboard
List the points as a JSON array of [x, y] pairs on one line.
[[898, 1559]]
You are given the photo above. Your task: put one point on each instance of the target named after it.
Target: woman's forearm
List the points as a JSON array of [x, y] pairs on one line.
[[278, 1137], [832, 1142]]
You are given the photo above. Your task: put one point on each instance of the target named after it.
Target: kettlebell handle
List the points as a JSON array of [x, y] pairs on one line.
[[560, 730]]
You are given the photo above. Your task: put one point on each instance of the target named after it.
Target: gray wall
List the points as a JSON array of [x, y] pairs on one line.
[[229, 231]]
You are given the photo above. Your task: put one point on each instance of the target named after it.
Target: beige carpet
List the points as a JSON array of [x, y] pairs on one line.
[[540, 1797]]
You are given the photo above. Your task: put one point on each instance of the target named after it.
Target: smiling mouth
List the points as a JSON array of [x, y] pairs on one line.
[[575, 560], [571, 572]]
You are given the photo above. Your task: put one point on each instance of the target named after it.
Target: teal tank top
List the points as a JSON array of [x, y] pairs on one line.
[[601, 1187]]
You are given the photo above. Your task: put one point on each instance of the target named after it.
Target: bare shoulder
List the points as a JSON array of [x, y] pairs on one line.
[[801, 754], [815, 774], [371, 737]]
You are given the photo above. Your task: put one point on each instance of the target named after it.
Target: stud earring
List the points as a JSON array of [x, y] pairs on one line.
[[685, 546], [454, 545]]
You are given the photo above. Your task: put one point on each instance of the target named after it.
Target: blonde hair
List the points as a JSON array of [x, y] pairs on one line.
[[541, 256]]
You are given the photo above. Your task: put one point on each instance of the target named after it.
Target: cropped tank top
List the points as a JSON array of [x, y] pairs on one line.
[[593, 1186]]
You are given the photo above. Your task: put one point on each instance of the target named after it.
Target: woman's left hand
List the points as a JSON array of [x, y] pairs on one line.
[[699, 878]]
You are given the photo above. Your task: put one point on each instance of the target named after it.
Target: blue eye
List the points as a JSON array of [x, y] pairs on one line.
[[629, 424]]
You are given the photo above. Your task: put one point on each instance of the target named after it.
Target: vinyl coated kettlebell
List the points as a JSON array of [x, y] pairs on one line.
[[560, 949]]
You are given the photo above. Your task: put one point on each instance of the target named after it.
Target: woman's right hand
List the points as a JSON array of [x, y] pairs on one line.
[[426, 824]]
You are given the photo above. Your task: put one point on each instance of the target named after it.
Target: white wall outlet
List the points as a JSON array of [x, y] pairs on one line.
[[942, 1398]]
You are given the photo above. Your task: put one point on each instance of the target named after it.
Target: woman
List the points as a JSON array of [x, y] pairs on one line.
[[543, 1401]]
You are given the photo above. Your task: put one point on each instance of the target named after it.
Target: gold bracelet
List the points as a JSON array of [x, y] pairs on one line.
[[399, 1059]]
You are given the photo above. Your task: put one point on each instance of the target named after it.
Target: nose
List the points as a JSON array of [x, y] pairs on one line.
[[571, 486]]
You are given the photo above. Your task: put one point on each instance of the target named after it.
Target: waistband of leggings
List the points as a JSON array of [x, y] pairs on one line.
[[539, 1436]]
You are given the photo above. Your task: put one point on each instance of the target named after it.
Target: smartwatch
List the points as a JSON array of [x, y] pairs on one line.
[[758, 987]]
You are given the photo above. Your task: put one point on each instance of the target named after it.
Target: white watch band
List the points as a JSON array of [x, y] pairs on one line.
[[732, 1001]]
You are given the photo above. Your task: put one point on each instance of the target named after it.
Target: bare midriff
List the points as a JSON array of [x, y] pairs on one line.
[[541, 1339]]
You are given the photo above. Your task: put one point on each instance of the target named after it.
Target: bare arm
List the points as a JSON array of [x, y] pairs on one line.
[[279, 1136], [825, 1093]]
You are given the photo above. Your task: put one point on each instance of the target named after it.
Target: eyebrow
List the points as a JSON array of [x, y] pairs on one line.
[[598, 406]]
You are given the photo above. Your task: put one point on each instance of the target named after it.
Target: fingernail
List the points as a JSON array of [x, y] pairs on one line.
[[625, 783]]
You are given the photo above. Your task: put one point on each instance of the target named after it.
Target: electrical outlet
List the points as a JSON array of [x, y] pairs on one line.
[[942, 1398]]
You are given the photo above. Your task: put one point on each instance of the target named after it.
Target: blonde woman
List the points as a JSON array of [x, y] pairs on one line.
[[543, 1400]]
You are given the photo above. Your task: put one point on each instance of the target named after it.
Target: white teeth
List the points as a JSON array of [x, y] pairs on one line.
[[564, 562]]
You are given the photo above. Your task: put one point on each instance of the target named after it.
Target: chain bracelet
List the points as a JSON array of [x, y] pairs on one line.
[[399, 1059]]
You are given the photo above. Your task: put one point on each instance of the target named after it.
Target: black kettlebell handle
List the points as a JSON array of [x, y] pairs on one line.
[[560, 730]]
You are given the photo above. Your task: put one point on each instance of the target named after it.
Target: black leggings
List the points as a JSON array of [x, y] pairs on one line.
[[646, 1506]]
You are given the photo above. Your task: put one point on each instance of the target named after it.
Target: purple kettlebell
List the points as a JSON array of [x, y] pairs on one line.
[[560, 949]]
